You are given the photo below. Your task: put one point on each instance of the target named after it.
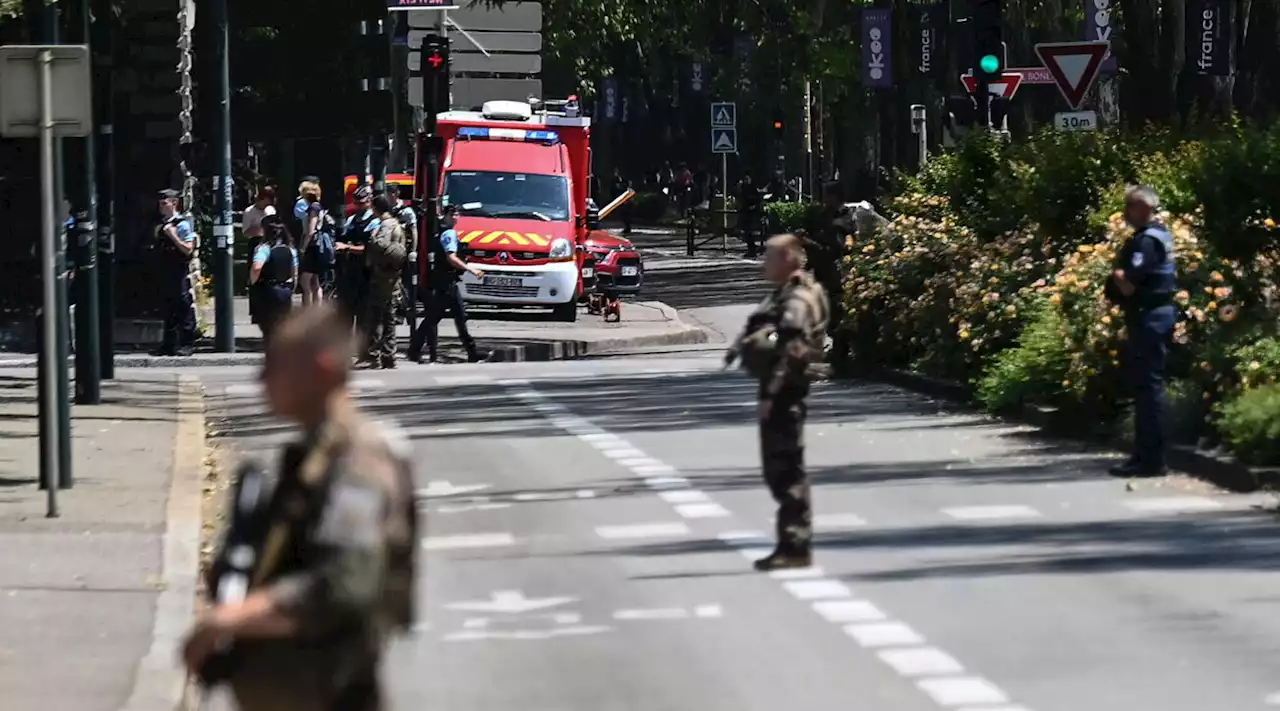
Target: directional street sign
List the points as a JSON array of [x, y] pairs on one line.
[[1074, 66], [724, 114], [1006, 86], [1030, 75], [724, 140]]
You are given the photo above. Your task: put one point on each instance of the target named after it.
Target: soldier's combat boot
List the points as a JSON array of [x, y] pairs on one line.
[[781, 560]]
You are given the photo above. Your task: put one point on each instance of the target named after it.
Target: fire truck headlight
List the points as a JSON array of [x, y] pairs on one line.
[[561, 249]]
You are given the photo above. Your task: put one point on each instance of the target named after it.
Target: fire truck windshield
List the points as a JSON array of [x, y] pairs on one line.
[[516, 195]]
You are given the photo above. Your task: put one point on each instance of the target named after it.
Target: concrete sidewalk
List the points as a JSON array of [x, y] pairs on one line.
[[93, 604]]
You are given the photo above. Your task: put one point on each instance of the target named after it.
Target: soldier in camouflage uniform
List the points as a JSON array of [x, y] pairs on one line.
[[335, 576], [378, 319], [781, 340]]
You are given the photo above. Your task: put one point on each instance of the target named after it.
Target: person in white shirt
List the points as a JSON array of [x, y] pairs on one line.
[[251, 221]]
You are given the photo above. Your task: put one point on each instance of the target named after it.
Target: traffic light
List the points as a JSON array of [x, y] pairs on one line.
[[435, 74], [990, 53], [778, 124]]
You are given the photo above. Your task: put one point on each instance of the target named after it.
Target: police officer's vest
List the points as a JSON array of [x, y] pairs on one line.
[[172, 256], [1158, 288], [442, 272], [278, 268]]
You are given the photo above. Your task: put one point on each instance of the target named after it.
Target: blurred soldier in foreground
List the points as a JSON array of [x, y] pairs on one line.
[[1143, 282], [781, 340], [334, 573]]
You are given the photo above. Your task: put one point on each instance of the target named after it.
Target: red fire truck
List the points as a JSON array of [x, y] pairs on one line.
[[519, 174]]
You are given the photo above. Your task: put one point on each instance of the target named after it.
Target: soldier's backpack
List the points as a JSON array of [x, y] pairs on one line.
[[386, 250]]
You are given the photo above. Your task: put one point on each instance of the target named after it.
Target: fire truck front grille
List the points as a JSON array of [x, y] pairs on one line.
[[503, 292]]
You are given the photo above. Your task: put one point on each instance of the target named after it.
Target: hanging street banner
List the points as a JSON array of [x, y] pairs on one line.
[[877, 48], [1098, 28], [394, 5], [930, 32], [1209, 37]]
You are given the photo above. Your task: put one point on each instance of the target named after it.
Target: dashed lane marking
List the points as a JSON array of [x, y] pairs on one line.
[[684, 496], [817, 589], [470, 540], [1172, 504], [848, 611], [958, 691], [707, 510], [991, 513], [643, 530], [883, 634], [920, 661]]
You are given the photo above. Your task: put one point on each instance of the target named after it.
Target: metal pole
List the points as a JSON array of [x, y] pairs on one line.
[[88, 358], [62, 310], [224, 236], [923, 145], [808, 141], [724, 203], [49, 365]]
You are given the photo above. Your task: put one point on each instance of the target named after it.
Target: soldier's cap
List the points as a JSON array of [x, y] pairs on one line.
[[364, 192], [169, 194]]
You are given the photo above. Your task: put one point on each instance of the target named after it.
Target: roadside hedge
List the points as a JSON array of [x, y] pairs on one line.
[[992, 267]]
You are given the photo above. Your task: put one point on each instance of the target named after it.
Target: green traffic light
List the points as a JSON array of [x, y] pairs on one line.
[[990, 64]]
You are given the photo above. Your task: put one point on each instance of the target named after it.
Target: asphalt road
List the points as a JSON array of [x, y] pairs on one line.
[[590, 526]]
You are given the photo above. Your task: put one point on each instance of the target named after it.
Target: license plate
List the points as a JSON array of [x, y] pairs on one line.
[[630, 271], [502, 281], [588, 272]]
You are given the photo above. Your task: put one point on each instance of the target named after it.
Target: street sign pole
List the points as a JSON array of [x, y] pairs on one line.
[[45, 94], [724, 206], [223, 234], [724, 140], [88, 358]]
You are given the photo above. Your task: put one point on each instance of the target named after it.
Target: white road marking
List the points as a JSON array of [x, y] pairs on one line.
[[797, 573], [462, 379], [441, 489], [1272, 699], [1172, 504], [537, 496], [526, 635], [634, 462], [666, 482], [657, 613], [243, 390], [643, 530], [470, 540], [567, 618], [548, 407], [514, 382], [883, 634], [838, 521], [958, 691], [707, 510], [848, 611], [994, 708], [816, 589], [623, 453], [475, 623], [684, 496], [510, 602], [988, 513], [467, 508], [602, 437], [921, 661], [584, 494], [646, 469], [755, 553], [708, 612]]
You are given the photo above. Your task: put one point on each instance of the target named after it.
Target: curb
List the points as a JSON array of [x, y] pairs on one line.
[[1215, 467], [160, 683]]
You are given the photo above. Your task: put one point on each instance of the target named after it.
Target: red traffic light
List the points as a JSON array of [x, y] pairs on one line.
[[777, 125], [435, 60]]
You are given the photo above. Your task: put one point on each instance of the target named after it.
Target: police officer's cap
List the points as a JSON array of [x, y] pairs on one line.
[[364, 192], [310, 179], [169, 194]]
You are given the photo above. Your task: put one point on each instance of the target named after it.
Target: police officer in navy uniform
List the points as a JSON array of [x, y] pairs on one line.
[[1144, 283], [441, 292], [175, 244], [352, 276]]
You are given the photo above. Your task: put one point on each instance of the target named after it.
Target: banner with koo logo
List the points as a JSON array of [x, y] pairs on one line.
[[1098, 28], [930, 31], [877, 48], [1209, 37]]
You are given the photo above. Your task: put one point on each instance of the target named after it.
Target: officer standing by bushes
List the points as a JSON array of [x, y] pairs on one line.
[[777, 346], [176, 244], [1144, 283]]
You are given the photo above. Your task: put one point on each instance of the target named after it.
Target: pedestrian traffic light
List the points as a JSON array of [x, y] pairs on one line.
[[434, 67], [988, 42]]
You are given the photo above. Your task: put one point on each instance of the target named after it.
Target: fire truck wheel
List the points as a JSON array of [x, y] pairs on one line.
[[567, 313]]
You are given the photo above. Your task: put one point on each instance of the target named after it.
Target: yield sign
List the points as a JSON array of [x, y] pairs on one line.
[[1006, 86], [1074, 66]]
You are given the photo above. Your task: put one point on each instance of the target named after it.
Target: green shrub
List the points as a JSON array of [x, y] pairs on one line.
[[1060, 178], [650, 207], [1250, 425], [1239, 187], [1032, 371], [792, 216]]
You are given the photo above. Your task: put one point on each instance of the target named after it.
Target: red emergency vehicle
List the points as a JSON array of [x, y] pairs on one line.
[[519, 174]]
